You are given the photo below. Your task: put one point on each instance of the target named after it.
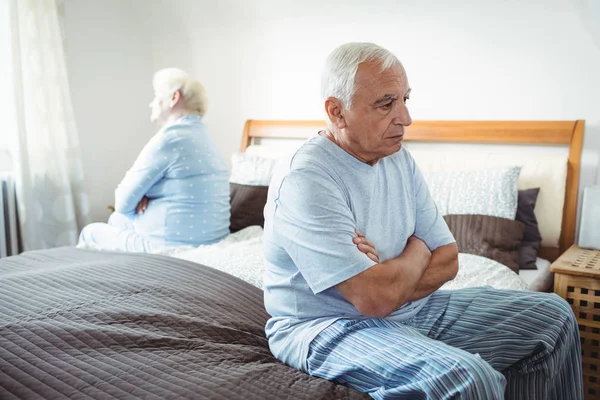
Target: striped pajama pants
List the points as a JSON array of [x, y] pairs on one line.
[[476, 343]]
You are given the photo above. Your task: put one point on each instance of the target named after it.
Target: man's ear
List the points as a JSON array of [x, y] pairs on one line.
[[334, 110], [176, 98]]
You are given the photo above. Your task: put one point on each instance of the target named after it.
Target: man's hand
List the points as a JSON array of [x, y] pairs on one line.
[[386, 286], [418, 248], [366, 246], [142, 205]]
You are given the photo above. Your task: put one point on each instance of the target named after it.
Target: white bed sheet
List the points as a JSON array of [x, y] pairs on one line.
[[241, 255], [531, 275]]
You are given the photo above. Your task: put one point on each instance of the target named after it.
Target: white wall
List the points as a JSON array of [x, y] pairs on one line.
[[216, 41], [466, 59], [110, 70]]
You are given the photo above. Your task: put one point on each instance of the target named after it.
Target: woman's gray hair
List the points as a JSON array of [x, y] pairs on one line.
[[169, 80], [337, 79]]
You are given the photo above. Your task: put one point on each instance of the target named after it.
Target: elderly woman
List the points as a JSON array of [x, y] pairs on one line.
[[177, 191]]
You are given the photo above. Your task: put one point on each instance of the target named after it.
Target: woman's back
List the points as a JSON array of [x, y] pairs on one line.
[[186, 180]]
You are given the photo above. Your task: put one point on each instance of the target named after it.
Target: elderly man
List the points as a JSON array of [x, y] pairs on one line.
[[355, 251]]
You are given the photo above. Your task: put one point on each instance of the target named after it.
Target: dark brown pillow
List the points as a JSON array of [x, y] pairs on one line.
[[247, 205], [532, 237], [493, 237]]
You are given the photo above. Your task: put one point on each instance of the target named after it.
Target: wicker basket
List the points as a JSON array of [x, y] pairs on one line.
[[577, 279]]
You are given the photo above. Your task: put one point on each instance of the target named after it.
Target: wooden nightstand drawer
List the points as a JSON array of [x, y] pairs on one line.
[[577, 280]]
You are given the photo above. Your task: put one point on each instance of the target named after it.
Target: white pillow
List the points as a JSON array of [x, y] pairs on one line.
[[485, 192], [247, 169], [258, 163]]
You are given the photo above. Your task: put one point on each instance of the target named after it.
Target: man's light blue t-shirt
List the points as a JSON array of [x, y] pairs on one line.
[[313, 208]]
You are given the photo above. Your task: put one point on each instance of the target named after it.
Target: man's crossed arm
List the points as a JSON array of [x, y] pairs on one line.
[[414, 274]]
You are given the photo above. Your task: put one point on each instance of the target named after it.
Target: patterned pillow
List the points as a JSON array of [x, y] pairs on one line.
[[484, 192]]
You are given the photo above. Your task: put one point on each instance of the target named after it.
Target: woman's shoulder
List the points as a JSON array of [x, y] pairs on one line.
[[179, 131]]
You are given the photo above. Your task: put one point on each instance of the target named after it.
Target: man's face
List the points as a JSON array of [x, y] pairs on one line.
[[160, 108], [374, 126]]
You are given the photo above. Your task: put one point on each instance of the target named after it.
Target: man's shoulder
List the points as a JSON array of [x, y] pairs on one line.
[[312, 152], [309, 167], [309, 158]]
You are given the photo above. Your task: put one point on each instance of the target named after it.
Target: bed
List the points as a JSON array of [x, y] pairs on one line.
[[78, 323]]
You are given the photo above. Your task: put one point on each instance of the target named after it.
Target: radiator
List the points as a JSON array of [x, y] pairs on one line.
[[9, 243]]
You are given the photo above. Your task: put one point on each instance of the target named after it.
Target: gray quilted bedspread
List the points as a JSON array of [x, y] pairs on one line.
[[80, 324]]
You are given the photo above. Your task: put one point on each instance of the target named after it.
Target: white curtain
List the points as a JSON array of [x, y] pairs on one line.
[[589, 12], [49, 176]]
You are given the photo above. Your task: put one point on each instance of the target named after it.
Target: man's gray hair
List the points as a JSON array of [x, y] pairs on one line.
[[337, 79], [169, 80]]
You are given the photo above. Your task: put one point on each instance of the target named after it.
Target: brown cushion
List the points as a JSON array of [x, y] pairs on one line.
[[493, 237], [247, 205], [532, 238]]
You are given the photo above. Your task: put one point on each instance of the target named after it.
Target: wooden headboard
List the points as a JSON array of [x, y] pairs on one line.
[[569, 133]]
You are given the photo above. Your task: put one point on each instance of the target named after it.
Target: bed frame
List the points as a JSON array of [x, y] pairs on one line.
[[568, 133]]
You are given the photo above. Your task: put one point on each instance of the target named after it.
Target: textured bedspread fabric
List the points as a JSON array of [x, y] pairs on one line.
[[241, 255], [83, 324]]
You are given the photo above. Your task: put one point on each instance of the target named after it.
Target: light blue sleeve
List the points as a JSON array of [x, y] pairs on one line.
[[430, 224], [315, 225], [150, 166]]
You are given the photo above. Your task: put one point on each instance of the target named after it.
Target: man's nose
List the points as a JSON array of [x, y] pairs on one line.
[[403, 117]]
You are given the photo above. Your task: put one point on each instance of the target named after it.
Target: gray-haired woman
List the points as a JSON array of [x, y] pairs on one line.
[[177, 191]]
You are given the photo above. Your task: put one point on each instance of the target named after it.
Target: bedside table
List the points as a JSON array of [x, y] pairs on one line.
[[577, 280]]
